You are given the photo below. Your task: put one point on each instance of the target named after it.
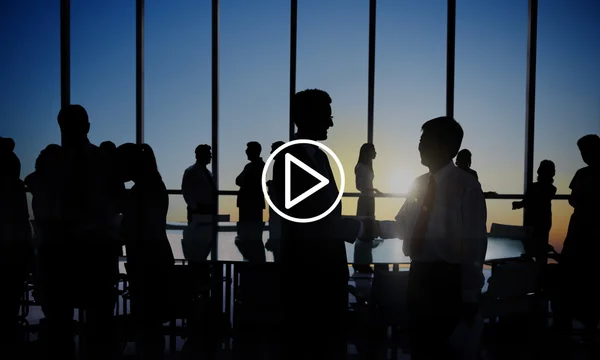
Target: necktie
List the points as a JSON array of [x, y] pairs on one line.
[[420, 229]]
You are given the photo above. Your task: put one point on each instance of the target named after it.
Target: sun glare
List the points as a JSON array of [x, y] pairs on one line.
[[399, 182]]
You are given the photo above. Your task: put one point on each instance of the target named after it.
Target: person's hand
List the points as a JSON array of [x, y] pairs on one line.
[[377, 192], [516, 205], [469, 312]]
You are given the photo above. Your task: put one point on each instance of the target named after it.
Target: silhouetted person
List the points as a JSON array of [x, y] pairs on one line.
[[15, 247], [443, 224], [198, 185], [463, 162], [44, 184], [538, 212], [579, 258], [313, 250], [83, 250], [251, 200], [150, 259], [364, 176], [273, 244]]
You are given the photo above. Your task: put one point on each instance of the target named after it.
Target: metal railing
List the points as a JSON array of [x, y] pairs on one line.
[[393, 195]]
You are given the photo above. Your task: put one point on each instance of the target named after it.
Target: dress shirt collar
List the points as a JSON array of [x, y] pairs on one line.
[[442, 173]]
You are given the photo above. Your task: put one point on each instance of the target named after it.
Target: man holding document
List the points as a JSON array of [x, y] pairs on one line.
[[443, 225]]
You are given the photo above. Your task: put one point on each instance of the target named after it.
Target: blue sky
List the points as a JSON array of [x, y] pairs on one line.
[[491, 40]]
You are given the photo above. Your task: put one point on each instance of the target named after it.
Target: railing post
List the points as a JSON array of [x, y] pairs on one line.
[[530, 100], [450, 56], [65, 53]]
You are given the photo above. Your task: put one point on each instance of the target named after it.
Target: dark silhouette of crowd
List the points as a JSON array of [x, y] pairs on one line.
[[84, 216]]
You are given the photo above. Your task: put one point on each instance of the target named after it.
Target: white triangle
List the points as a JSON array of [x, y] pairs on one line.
[[323, 181]]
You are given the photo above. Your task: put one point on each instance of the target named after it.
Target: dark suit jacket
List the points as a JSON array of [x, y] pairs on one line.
[[250, 194], [316, 243]]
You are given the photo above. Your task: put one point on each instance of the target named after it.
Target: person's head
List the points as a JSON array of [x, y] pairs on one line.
[[546, 171], [108, 146], [589, 146], [253, 150], [136, 162], [48, 158], [74, 124], [10, 166], [367, 154], [276, 145], [311, 113], [203, 154], [440, 142], [463, 159]]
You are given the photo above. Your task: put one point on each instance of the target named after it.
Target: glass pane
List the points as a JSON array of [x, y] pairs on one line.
[[254, 85], [491, 55], [568, 84], [30, 90], [103, 67], [333, 38], [410, 88], [177, 106]]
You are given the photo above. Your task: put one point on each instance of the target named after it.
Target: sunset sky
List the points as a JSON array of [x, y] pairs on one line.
[[491, 52]]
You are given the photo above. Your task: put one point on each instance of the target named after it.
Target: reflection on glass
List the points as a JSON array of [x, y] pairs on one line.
[[177, 86], [254, 85], [103, 67], [491, 54], [410, 86], [30, 73], [333, 56]]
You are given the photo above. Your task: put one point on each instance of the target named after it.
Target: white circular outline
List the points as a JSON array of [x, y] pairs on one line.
[[340, 190]]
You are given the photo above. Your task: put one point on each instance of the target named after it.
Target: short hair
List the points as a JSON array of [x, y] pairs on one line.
[[74, 116], [306, 104], [447, 130], [277, 144], [589, 143], [201, 148], [254, 146]]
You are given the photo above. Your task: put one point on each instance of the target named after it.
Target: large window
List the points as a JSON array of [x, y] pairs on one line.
[[568, 84], [491, 55], [30, 90], [30, 73], [333, 43], [410, 88], [177, 104], [103, 67], [254, 85]]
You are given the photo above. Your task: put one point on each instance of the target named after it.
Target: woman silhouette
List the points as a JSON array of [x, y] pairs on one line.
[[364, 174], [538, 205], [150, 259]]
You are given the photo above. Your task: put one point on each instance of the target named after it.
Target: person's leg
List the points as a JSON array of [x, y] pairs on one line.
[[12, 280], [434, 309], [101, 275]]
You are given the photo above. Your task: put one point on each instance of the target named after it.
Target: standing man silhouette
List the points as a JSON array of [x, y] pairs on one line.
[[198, 185], [251, 200], [313, 329], [443, 224], [84, 249]]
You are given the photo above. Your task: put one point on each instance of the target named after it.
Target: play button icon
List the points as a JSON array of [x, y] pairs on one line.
[[323, 181], [290, 201]]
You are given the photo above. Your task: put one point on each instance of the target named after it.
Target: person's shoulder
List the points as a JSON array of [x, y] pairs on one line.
[[190, 169], [466, 179]]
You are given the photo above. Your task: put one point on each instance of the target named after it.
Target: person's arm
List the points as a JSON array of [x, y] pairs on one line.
[[473, 243], [188, 189], [575, 197], [239, 180], [399, 228]]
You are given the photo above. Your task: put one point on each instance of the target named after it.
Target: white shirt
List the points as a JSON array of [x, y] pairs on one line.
[[364, 177], [196, 187], [456, 231]]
